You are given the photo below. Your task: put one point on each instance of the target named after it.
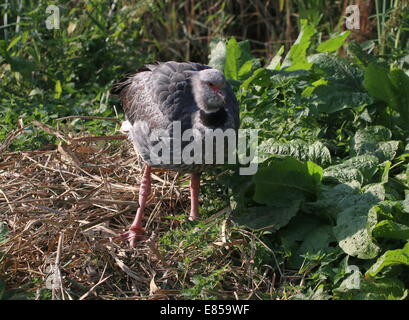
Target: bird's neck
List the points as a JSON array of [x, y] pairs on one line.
[[213, 119]]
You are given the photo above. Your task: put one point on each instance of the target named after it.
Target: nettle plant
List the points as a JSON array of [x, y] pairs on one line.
[[331, 190]]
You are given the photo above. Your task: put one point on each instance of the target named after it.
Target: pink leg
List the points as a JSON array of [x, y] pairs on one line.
[[194, 196], [135, 231]]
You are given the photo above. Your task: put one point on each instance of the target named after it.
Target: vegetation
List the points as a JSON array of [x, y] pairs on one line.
[[326, 216]]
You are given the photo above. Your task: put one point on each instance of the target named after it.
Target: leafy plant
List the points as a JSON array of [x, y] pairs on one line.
[[342, 113]]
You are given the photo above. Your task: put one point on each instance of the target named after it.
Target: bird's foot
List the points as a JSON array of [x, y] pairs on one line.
[[133, 235]]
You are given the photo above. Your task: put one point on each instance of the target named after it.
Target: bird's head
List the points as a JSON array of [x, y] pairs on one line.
[[209, 89]]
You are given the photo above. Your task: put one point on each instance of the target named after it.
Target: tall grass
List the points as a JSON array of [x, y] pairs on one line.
[[100, 40], [392, 21]]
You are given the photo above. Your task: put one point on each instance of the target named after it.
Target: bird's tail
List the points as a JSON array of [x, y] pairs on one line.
[[125, 127]]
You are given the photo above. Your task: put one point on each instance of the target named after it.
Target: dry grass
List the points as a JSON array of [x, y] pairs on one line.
[[62, 206]]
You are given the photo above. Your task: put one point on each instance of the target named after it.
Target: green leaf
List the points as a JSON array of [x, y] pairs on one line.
[[274, 216], [363, 58], [334, 43], [288, 178], [400, 82], [309, 90], [297, 56], [342, 174], [57, 89], [355, 222], [305, 235], [359, 168], [379, 85], [239, 61], [318, 240], [342, 87], [275, 62], [385, 174], [352, 233], [3, 49], [22, 65], [333, 200], [393, 210], [392, 230], [372, 140], [260, 77], [390, 258], [305, 151], [379, 289], [13, 42]]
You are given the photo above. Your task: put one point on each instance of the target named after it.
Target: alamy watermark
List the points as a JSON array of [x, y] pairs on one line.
[[53, 20], [204, 147], [354, 281], [352, 17]]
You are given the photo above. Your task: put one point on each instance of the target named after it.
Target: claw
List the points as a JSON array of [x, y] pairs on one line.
[[133, 235]]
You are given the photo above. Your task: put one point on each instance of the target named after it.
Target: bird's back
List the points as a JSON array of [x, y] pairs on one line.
[[161, 96]]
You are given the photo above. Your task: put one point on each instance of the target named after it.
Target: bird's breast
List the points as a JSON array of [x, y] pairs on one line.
[[213, 119]]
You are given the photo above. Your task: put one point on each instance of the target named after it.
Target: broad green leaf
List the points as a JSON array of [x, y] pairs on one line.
[[22, 65], [309, 90], [274, 216], [393, 210], [352, 233], [342, 174], [400, 81], [246, 69], [305, 235], [356, 221], [391, 229], [332, 200], [232, 65], [260, 77], [390, 258], [297, 56], [318, 152], [359, 168], [287, 178], [334, 43], [239, 61], [342, 87], [275, 62], [335, 97], [374, 140], [379, 85], [371, 289], [367, 164], [318, 240], [305, 151]]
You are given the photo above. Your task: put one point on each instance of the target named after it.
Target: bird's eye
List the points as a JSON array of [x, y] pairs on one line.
[[213, 86]]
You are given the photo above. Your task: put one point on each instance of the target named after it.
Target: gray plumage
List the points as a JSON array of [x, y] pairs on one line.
[[194, 95]]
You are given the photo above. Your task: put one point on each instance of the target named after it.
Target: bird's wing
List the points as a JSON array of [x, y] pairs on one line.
[[135, 97], [171, 87], [163, 90]]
